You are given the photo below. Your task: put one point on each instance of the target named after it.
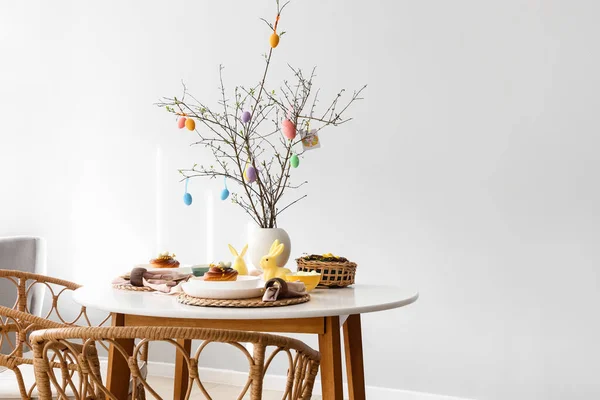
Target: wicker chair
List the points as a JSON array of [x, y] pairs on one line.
[[56, 345], [18, 322]]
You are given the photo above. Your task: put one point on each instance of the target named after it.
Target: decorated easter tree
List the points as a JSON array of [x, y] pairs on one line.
[[258, 136]]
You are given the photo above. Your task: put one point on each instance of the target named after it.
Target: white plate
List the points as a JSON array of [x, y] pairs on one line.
[[182, 269], [220, 293], [242, 282]]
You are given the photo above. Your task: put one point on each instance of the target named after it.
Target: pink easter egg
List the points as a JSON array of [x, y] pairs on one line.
[[181, 122], [288, 128]]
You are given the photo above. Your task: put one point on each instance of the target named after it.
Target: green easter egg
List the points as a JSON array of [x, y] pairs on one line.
[[295, 161]]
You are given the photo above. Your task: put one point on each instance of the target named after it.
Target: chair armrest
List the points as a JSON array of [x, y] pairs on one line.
[[5, 328], [19, 316]]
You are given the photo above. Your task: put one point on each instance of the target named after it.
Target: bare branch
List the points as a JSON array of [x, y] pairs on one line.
[[235, 144]]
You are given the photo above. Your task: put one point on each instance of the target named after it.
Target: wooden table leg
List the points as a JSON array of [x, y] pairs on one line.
[[331, 360], [354, 358], [181, 370], [117, 380]]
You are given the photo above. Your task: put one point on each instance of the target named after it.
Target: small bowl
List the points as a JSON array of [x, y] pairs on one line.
[[200, 270], [310, 281]]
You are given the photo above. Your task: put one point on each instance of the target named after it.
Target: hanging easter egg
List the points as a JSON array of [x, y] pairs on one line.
[[187, 199], [225, 191], [250, 174], [190, 124], [288, 128], [295, 161], [274, 40], [246, 117], [181, 122], [224, 194]]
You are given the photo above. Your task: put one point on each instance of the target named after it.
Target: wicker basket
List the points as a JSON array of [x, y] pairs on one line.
[[333, 273]]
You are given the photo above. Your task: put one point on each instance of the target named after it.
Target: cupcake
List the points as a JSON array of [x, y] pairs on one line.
[[220, 273], [165, 260]]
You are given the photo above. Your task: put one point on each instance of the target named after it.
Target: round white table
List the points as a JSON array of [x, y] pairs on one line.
[[324, 314]]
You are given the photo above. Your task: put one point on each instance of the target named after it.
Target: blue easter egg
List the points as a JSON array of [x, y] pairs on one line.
[[224, 194], [187, 199]]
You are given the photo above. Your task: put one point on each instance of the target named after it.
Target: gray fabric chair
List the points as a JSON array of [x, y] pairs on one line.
[[25, 254], [21, 253]]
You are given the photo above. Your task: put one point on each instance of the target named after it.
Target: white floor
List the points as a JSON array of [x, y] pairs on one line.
[[164, 388]]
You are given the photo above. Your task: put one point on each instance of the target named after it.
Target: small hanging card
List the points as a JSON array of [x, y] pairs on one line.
[[310, 140]]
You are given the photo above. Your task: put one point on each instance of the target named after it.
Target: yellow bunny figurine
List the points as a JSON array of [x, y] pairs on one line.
[[268, 265], [239, 264]]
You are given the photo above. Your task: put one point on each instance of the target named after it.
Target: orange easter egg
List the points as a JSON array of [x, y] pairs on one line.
[[190, 124], [288, 128], [181, 122], [274, 40]]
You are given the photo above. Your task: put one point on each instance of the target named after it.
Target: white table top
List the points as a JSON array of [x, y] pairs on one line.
[[356, 299]]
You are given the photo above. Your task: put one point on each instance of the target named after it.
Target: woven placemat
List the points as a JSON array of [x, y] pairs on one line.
[[128, 286], [242, 303]]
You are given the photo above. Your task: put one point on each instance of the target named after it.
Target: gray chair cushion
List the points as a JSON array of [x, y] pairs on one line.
[[20, 253], [23, 254]]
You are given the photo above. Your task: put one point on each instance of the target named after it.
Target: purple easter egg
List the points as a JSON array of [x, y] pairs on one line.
[[246, 117], [251, 174]]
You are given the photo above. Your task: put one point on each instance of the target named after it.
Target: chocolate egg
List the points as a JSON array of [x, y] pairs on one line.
[[274, 40], [250, 174], [295, 161], [224, 194], [246, 117], [288, 128], [187, 199], [181, 122], [190, 124]]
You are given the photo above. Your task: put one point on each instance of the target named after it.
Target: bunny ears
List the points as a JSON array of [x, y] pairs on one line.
[[235, 253], [276, 248]]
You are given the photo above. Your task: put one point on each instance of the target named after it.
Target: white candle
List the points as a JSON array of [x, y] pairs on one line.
[[250, 227], [159, 201], [210, 229]]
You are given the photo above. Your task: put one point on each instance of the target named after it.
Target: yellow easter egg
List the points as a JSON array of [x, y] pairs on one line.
[[190, 124], [274, 40]]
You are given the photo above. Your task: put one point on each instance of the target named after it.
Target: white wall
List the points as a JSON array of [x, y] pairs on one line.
[[470, 172]]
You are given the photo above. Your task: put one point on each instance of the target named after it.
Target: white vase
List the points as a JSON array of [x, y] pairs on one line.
[[260, 242]]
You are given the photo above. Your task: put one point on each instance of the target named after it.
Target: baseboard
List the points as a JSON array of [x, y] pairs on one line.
[[276, 382]]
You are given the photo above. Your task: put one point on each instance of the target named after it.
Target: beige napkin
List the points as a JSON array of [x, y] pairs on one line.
[[277, 288], [162, 281]]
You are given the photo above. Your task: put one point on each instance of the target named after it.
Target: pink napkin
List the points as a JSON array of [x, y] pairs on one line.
[[277, 288], [162, 281]]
